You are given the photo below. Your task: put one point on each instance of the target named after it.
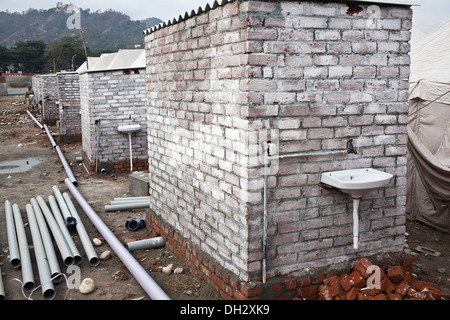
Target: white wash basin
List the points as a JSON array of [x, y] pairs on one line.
[[129, 128], [356, 182]]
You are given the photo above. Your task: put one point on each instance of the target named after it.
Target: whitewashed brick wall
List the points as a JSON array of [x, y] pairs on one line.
[[115, 99], [69, 105], [305, 75]]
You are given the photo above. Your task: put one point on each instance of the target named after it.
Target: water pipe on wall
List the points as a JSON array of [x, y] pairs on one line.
[[267, 159]]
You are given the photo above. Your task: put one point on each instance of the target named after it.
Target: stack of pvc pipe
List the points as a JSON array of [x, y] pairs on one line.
[[130, 203]]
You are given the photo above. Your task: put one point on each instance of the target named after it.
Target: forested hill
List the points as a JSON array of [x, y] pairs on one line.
[[108, 30]]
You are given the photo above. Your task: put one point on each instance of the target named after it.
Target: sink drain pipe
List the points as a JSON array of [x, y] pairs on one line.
[[267, 159], [140, 274]]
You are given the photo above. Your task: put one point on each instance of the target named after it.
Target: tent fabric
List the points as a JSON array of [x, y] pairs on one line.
[[430, 67], [428, 158]]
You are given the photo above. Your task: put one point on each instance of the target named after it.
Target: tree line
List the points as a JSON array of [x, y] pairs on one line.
[[35, 56]]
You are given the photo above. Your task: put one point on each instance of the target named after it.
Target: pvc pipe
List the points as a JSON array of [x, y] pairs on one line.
[[62, 225], [35, 120], [62, 204], [131, 198], [49, 136], [355, 223], [131, 152], [127, 206], [13, 246], [50, 253], [2, 288], [66, 166], [141, 275], [64, 250], [84, 237], [152, 243], [135, 224], [267, 159], [26, 265], [48, 290]]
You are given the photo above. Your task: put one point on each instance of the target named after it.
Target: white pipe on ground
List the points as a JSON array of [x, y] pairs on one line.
[[25, 259], [48, 290], [13, 246], [47, 241], [140, 274]]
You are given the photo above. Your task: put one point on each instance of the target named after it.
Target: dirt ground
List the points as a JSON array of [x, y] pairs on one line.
[[20, 139]]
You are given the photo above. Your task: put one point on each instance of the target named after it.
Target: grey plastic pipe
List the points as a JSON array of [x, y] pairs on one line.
[[49, 135], [35, 120], [84, 237], [48, 290], [50, 253], [63, 248], [2, 288], [144, 244], [81, 230], [128, 206], [62, 226], [66, 166], [25, 259], [13, 246], [140, 274]]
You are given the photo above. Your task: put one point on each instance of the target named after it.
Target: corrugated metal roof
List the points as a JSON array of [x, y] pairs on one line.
[[121, 60], [214, 4]]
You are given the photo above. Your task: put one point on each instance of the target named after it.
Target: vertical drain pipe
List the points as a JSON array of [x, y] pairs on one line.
[[140, 274], [48, 290], [13, 246], [25, 259]]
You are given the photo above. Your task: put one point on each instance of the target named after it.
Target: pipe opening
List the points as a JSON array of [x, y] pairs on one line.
[[57, 277], [77, 260], [49, 294], [94, 261], [28, 286], [68, 261], [15, 263]]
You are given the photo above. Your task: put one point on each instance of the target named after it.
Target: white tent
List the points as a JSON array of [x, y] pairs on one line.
[[428, 179]]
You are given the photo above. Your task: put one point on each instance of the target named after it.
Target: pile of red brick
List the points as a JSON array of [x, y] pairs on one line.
[[391, 283]]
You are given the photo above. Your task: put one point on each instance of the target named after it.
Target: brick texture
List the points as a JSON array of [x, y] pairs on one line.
[[304, 76], [69, 107], [107, 100]]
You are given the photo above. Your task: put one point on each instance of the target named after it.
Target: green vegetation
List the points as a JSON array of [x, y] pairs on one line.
[[39, 41]]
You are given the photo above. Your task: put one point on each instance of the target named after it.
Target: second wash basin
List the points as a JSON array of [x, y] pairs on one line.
[[356, 182]]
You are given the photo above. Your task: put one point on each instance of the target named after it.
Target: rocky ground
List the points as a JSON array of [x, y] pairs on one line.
[[21, 139]]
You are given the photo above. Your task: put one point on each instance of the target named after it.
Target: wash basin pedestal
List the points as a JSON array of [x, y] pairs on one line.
[[129, 129], [356, 222]]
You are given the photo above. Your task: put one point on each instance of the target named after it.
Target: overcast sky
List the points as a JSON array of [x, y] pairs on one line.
[[427, 17]]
